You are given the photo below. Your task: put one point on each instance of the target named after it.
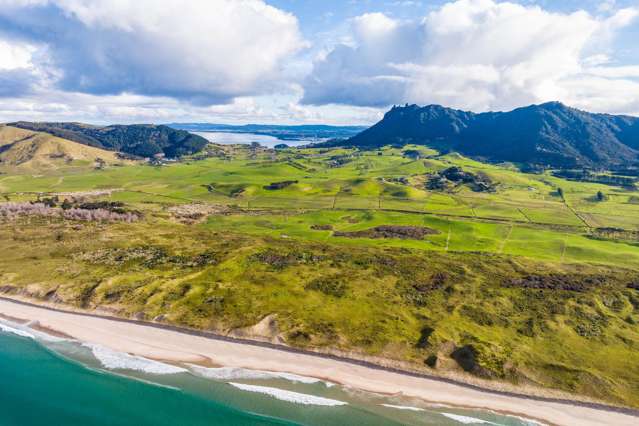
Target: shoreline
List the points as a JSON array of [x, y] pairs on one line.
[[183, 345]]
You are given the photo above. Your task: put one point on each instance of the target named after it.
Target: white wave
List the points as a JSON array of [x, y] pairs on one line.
[[114, 360], [467, 420], [16, 330], [288, 396], [526, 420], [25, 330], [233, 373], [530, 422], [402, 407]]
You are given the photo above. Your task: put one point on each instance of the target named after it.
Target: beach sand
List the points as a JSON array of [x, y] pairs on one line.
[[173, 346]]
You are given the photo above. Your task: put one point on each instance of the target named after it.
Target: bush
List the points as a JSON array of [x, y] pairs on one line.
[[331, 286], [425, 334], [12, 211], [279, 185], [431, 361], [466, 357]]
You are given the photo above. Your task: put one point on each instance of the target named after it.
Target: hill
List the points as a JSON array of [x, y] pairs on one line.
[[25, 149], [549, 134], [143, 140]]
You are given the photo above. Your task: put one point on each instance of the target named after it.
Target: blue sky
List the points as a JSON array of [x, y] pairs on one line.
[[310, 61]]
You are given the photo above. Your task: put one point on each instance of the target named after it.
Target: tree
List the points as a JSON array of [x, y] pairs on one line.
[[66, 204], [412, 154], [560, 192], [600, 196]]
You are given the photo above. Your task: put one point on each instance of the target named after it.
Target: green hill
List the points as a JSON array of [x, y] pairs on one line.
[[142, 140], [39, 152]]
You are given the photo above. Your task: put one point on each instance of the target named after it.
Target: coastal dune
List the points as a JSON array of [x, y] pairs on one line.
[[173, 346]]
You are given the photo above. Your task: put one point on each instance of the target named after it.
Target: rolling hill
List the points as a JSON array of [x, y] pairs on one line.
[[143, 140], [25, 149], [550, 134]]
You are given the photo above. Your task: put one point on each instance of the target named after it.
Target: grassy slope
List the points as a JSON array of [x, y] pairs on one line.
[[25, 151], [376, 296]]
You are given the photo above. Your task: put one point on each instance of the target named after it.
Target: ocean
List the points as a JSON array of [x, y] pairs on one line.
[[52, 381]]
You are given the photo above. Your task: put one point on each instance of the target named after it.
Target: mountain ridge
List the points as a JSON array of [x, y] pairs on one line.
[[550, 134]]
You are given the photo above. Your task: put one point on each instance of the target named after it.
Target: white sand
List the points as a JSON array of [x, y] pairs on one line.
[[173, 346]]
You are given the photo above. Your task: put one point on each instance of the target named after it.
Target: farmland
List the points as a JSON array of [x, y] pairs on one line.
[[525, 207]]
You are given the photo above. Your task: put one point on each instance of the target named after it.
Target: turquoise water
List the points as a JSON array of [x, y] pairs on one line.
[[47, 382]]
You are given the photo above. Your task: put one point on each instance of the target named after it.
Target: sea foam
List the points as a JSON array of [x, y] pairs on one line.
[[467, 420], [288, 396], [18, 332], [403, 407], [114, 360], [232, 373]]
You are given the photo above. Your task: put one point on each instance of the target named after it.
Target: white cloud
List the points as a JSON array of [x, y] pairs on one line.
[[54, 105], [15, 55], [480, 55], [206, 51]]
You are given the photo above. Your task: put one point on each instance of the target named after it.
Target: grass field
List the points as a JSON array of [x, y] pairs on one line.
[[527, 203], [518, 284]]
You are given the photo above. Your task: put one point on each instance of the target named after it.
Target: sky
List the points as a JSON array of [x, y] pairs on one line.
[[310, 61]]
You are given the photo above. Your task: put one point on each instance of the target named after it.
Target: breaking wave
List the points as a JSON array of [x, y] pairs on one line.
[[114, 360], [467, 420], [402, 407], [16, 331], [458, 418], [233, 373], [288, 396]]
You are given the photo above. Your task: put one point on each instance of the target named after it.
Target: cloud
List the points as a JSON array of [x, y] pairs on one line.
[[205, 52], [41, 104], [479, 55]]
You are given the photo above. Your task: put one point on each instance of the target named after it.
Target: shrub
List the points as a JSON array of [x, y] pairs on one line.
[[331, 286], [12, 211]]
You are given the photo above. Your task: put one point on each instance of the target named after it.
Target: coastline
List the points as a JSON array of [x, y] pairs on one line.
[[179, 345]]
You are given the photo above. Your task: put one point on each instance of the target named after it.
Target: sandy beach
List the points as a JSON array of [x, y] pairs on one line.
[[173, 346]]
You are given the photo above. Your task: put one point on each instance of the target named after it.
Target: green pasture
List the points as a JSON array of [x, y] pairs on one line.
[[524, 216]]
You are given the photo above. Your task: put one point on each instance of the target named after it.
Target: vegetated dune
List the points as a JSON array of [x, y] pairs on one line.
[[25, 149]]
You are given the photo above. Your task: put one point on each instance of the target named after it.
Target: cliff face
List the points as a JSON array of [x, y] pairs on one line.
[[549, 134], [143, 140]]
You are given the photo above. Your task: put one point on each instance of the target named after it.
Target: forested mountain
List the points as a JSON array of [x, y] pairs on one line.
[[550, 134]]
